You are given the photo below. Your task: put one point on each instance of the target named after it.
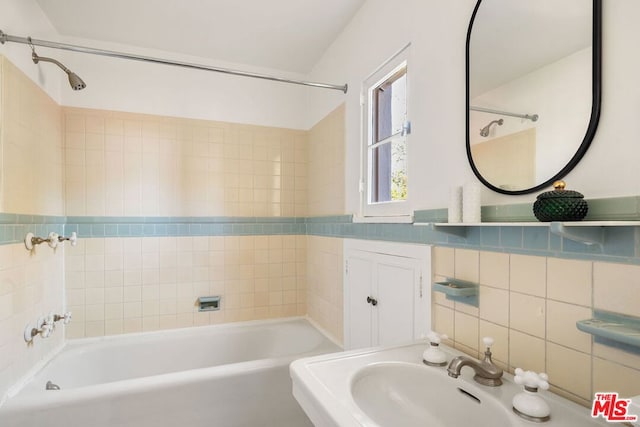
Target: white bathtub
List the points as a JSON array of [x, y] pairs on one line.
[[223, 375]]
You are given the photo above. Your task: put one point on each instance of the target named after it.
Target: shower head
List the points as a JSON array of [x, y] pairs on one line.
[[485, 130], [75, 81]]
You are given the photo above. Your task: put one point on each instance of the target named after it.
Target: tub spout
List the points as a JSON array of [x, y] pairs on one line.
[[52, 386]]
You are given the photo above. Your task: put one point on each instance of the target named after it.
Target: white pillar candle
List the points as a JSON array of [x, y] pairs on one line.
[[455, 204], [471, 202]]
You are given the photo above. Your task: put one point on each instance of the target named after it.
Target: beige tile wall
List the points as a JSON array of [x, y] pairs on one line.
[[122, 285], [123, 164], [31, 138], [326, 165], [30, 287], [324, 284], [126, 164], [326, 197], [530, 305], [31, 284]]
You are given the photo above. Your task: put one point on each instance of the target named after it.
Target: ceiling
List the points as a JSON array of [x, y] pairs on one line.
[[286, 35]]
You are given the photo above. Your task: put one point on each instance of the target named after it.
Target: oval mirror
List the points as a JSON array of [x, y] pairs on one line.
[[533, 90]]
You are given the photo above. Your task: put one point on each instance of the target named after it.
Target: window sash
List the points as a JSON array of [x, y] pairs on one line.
[[386, 210]]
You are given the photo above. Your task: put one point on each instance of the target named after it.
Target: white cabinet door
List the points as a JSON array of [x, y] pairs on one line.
[[393, 315], [360, 273], [385, 303]]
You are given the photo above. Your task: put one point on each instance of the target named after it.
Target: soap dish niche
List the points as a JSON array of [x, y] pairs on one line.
[[613, 329], [209, 303], [458, 290]]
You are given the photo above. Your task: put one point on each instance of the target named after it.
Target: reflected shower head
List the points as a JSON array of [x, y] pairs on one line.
[[485, 130], [75, 81]]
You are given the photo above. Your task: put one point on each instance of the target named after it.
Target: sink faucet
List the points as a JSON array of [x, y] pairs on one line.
[[487, 373]]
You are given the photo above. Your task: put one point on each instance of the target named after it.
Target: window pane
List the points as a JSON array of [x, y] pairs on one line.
[[388, 166], [391, 106]]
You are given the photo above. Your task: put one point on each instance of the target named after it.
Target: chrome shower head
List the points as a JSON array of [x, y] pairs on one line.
[[75, 81], [485, 130]]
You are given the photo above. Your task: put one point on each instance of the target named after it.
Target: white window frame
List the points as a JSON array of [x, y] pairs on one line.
[[394, 211]]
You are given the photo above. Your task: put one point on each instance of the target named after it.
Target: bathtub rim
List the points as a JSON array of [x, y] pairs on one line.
[[12, 401]]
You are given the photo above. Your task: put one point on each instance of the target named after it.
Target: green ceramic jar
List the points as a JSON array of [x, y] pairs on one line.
[[560, 205]]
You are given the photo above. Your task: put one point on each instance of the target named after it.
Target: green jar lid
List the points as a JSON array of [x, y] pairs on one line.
[[560, 192]]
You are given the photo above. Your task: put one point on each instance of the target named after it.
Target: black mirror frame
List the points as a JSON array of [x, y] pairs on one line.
[[596, 87]]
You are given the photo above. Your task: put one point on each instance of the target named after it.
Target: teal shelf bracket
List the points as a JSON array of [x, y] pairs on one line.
[[459, 291], [586, 235], [460, 231]]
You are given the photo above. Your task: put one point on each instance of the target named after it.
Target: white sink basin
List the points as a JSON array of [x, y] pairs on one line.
[[405, 394], [392, 387]]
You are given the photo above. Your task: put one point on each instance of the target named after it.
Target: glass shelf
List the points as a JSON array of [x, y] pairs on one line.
[[586, 232]]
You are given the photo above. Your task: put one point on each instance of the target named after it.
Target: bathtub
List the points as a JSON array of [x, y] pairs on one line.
[[221, 375]]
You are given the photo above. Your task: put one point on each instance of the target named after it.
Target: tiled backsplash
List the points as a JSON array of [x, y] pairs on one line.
[[326, 165], [530, 305], [31, 182], [122, 285], [126, 164], [324, 284]]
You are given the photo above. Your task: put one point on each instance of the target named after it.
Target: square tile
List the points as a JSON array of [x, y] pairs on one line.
[[569, 281], [526, 352], [528, 274], [561, 325], [467, 265], [615, 288], [527, 314], [494, 269], [569, 370], [494, 305]]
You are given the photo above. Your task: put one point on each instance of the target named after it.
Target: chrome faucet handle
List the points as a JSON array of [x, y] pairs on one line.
[[530, 380], [529, 404], [488, 342], [436, 338]]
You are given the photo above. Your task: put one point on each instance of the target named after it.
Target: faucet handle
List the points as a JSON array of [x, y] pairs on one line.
[[488, 342], [531, 380], [436, 338]]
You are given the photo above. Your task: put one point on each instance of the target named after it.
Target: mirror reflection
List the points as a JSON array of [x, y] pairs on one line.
[[530, 97]]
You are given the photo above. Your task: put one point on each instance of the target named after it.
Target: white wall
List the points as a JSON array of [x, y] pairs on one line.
[[134, 86], [25, 18], [437, 31], [143, 87]]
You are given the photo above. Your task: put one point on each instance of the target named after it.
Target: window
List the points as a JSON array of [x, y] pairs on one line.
[[385, 185]]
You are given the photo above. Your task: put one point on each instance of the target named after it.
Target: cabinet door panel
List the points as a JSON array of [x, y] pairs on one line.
[[358, 314], [394, 313]]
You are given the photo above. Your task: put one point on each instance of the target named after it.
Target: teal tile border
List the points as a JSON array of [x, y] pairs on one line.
[[621, 244]]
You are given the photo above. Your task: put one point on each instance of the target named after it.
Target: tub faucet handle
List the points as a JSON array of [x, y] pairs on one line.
[[53, 240], [66, 317], [73, 239], [46, 329]]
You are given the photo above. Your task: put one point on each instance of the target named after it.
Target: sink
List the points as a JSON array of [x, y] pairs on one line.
[[390, 386], [404, 394]]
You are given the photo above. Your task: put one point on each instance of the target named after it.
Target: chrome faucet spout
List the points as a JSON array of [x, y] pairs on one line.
[[487, 373]]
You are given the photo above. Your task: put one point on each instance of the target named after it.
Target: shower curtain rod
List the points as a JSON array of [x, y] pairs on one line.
[[532, 117], [4, 37]]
